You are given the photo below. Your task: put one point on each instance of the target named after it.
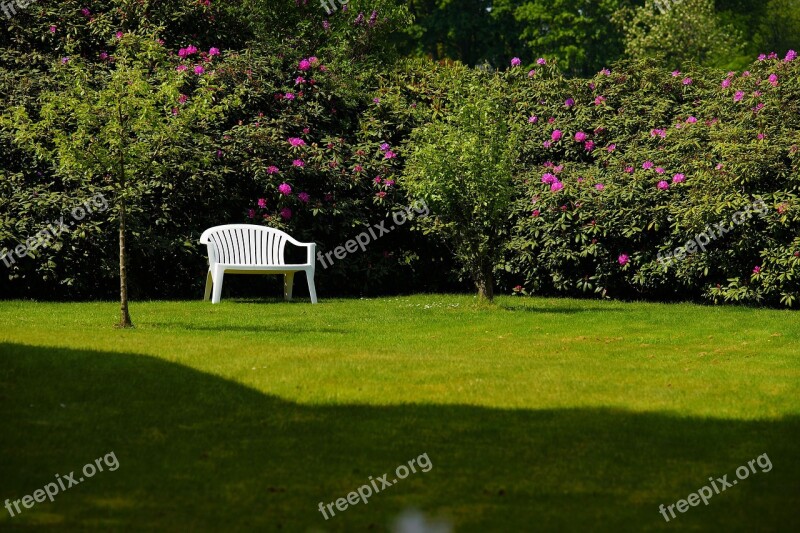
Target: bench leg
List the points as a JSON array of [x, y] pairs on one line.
[[312, 291], [219, 275], [288, 285], [209, 283]]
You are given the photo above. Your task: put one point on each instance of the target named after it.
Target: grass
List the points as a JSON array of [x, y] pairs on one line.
[[549, 413]]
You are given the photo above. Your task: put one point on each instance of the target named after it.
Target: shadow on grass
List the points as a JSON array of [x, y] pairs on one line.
[[198, 452]]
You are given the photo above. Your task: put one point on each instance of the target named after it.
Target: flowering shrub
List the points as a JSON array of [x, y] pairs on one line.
[[643, 161]]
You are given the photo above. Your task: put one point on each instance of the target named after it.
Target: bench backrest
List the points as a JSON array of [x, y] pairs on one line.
[[245, 244]]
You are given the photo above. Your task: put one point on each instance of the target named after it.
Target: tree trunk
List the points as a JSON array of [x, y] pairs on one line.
[[485, 284], [124, 315]]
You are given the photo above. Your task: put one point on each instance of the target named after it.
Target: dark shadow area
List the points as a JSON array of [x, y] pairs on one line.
[[200, 453]]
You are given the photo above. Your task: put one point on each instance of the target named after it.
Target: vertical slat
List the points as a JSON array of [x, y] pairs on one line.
[[246, 246], [228, 247], [282, 250], [281, 244], [270, 238], [218, 248], [226, 251], [252, 245]]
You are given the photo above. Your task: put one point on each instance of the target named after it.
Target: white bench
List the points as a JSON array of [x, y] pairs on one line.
[[250, 249]]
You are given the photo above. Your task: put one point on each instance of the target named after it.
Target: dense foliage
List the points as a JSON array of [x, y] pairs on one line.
[[556, 184]]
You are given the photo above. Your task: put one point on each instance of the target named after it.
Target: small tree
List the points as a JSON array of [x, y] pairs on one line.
[[119, 128], [461, 164]]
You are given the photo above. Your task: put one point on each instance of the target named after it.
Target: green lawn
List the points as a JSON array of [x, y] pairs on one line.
[[536, 414]]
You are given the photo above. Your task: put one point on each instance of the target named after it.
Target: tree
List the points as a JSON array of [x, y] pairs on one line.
[[678, 32], [461, 164], [121, 129]]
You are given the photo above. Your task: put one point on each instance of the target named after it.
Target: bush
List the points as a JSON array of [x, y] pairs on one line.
[[632, 164]]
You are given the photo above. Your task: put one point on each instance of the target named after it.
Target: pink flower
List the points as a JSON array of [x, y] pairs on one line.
[[756, 269], [262, 203], [541, 61], [599, 100], [599, 186], [296, 141], [515, 62], [773, 80], [726, 83], [676, 73], [119, 35], [213, 52], [535, 213], [181, 68], [569, 102], [791, 55], [580, 136], [358, 168], [286, 213], [199, 70], [385, 147], [304, 65], [691, 120], [289, 96], [531, 73], [298, 163], [588, 146], [556, 186], [647, 165], [182, 99], [381, 194], [738, 96], [762, 57], [605, 72], [251, 213], [299, 79], [663, 185], [623, 259], [389, 183], [556, 135], [611, 147], [303, 197], [389, 154], [678, 178], [549, 178], [629, 170], [272, 169], [533, 120], [687, 81], [547, 144], [53, 29], [659, 170], [285, 189]]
